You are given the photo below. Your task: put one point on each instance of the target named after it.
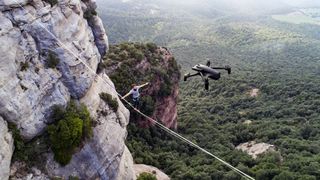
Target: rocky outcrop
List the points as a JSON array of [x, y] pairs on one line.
[[155, 65], [30, 86], [255, 149], [166, 106], [254, 92], [6, 150], [140, 168], [100, 37]]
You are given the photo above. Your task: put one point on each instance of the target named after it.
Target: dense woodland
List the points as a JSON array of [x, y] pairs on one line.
[[281, 60]]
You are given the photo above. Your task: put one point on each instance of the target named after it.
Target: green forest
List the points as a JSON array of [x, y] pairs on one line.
[[282, 60]]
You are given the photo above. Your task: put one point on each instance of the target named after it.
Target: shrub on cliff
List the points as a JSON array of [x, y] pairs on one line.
[[52, 60], [88, 14], [52, 2], [148, 105], [165, 90], [74, 125], [24, 66], [138, 55], [146, 176], [18, 142], [108, 99], [152, 47]]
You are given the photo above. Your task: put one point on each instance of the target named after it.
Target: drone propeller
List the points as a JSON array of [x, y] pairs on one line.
[[228, 68]]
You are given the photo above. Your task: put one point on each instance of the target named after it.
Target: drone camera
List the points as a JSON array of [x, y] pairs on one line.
[[215, 75], [228, 68]]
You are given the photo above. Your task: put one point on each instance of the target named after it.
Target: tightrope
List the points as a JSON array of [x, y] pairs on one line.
[[171, 132]]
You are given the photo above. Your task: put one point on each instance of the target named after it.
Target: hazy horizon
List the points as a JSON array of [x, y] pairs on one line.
[[234, 6], [297, 3]]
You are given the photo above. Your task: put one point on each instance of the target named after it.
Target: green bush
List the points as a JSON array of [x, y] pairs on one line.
[[88, 14], [52, 2], [73, 178], [108, 99], [165, 90], [306, 131], [138, 55], [74, 125], [152, 47], [285, 175], [24, 66], [124, 46], [18, 143], [146, 176], [123, 55], [148, 105], [52, 60]]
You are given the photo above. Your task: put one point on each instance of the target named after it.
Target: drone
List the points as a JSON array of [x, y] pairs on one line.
[[206, 72]]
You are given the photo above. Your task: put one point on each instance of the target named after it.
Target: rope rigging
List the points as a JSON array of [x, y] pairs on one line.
[[171, 132]]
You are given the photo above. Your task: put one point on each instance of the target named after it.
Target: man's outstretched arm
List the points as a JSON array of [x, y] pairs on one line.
[[143, 85], [126, 95]]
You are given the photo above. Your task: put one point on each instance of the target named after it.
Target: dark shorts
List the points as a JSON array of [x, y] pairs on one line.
[[135, 102]]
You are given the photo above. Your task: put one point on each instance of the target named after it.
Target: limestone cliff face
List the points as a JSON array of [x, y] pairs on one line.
[[6, 150], [29, 88]]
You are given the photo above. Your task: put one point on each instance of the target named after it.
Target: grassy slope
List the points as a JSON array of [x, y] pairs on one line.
[[281, 60]]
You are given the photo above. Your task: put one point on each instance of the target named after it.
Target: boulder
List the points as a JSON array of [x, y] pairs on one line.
[[141, 168], [254, 149]]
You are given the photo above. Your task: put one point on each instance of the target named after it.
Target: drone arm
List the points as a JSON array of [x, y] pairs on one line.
[[191, 75], [186, 76], [218, 67], [227, 68]]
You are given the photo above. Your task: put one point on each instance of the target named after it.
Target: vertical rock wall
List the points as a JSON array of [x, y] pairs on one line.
[[29, 87], [6, 150]]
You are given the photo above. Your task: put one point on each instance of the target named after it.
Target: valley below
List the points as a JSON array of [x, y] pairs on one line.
[[277, 54]]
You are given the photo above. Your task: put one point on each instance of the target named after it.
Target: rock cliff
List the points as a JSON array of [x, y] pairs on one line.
[[38, 71], [136, 63], [6, 150]]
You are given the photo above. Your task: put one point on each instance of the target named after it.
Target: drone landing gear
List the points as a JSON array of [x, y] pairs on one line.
[[205, 80], [206, 84]]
